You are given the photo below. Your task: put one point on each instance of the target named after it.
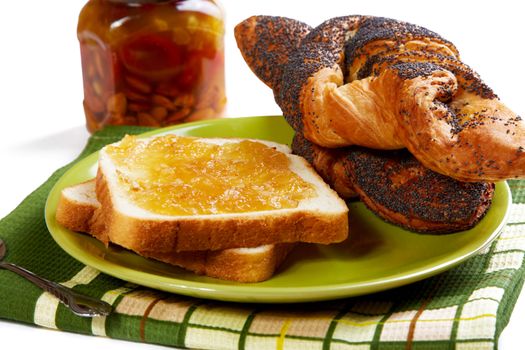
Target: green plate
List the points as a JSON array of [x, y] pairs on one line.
[[377, 256]]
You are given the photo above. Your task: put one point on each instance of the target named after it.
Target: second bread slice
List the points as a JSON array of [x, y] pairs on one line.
[[78, 204]]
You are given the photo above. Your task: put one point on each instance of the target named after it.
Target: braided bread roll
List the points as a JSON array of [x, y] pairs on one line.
[[398, 188], [386, 84], [393, 184]]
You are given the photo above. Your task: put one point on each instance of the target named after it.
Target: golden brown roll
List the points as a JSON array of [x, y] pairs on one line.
[[398, 188], [386, 84], [393, 184]]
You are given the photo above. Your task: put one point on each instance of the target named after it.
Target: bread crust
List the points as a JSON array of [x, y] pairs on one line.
[[229, 264], [191, 233], [241, 265], [74, 214]]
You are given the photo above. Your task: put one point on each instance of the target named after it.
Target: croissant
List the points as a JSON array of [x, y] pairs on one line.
[[386, 84]]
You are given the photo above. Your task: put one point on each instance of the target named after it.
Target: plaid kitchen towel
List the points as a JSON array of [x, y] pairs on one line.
[[464, 308]]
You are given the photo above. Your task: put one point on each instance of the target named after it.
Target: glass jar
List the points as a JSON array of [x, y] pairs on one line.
[[151, 62]]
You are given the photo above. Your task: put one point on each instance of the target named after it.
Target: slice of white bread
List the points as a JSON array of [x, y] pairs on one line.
[[78, 204], [322, 218]]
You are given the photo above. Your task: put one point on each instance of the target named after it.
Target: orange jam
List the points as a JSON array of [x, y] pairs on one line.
[[175, 175]]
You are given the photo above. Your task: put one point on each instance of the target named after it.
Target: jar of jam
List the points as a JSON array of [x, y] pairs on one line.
[[151, 62]]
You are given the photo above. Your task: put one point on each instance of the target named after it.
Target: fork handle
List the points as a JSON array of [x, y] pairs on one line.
[[79, 304]]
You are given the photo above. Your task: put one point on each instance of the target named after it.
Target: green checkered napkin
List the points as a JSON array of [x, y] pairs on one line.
[[465, 308]]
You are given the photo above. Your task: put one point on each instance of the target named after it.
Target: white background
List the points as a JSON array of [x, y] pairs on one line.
[[41, 95]]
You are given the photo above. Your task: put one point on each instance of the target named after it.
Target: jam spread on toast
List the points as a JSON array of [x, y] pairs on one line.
[[178, 175]]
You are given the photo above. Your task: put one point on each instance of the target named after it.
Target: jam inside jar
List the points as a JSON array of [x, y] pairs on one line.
[[151, 62]]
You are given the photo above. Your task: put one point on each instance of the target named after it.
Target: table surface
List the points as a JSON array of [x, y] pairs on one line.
[[41, 96]]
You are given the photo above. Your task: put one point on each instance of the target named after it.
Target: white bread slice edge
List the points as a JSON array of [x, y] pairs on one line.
[[78, 204], [322, 219]]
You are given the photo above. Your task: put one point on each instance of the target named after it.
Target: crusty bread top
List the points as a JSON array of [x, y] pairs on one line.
[[326, 200]]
